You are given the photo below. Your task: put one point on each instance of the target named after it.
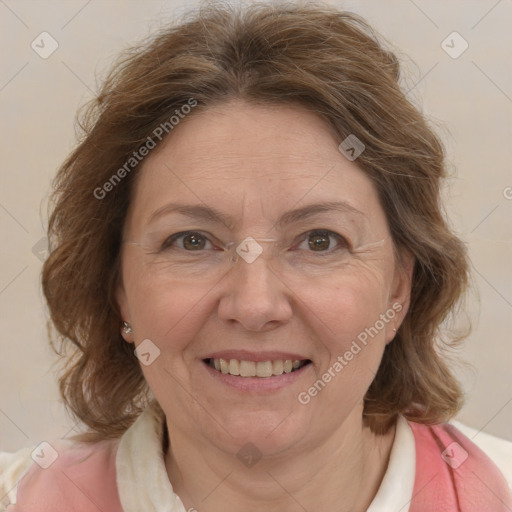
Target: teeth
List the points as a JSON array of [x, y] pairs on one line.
[[255, 369], [234, 367], [247, 369], [224, 367], [264, 368], [278, 367]]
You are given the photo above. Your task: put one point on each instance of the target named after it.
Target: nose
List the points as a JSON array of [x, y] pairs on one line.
[[255, 296]]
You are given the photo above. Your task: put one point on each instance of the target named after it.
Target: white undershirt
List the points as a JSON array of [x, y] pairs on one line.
[[143, 483]]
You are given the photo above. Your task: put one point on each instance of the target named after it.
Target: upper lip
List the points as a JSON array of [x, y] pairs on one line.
[[245, 355]]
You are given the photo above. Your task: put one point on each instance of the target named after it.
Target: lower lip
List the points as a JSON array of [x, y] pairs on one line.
[[262, 384]]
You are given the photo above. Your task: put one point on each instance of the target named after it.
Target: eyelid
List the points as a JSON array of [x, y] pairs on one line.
[[176, 236], [342, 239], [181, 234]]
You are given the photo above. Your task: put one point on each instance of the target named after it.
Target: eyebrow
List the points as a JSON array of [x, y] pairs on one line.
[[209, 214]]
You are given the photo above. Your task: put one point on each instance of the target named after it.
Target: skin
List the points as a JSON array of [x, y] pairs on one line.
[[255, 163]]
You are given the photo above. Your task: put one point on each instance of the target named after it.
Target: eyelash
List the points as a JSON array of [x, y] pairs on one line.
[[325, 232]]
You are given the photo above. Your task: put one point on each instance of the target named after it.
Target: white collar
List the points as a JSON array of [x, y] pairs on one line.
[[396, 488], [142, 480], [143, 483]]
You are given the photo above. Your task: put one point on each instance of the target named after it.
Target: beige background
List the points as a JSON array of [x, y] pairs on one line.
[[468, 98]]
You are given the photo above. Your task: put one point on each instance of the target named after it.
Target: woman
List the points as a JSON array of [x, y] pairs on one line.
[[250, 261]]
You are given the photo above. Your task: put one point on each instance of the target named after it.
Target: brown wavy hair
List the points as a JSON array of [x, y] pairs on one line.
[[313, 56]]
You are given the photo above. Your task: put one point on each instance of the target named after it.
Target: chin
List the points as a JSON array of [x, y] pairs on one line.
[[271, 432]]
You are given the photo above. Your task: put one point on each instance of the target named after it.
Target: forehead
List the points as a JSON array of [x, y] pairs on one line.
[[247, 159], [248, 140]]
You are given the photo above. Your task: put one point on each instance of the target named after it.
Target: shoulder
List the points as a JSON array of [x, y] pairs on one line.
[[497, 449], [62, 475], [12, 467], [454, 473]]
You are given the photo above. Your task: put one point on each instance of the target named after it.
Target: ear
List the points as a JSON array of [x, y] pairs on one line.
[[122, 303], [400, 294]]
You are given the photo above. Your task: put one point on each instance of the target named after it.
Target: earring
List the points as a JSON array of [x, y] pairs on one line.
[[394, 329], [127, 328]]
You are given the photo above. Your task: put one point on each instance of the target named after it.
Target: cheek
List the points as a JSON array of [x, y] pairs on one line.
[[168, 312], [348, 317], [171, 315], [162, 309], [352, 301]]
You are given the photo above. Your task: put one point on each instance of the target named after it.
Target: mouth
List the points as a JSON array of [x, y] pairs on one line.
[[262, 369]]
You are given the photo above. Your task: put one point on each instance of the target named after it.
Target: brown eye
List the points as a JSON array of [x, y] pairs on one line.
[[319, 241], [190, 241], [193, 241]]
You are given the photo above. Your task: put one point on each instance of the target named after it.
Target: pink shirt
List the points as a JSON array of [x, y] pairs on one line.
[[452, 474]]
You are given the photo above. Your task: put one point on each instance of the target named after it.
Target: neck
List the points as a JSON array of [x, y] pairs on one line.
[[342, 473]]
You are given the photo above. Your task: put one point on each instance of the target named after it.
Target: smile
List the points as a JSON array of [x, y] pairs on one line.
[[262, 369]]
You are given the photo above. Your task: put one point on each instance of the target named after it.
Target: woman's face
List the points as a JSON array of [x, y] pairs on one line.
[[323, 288]]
